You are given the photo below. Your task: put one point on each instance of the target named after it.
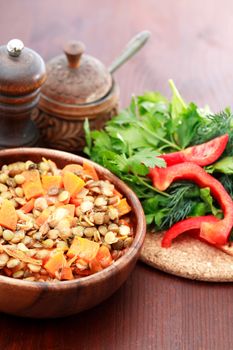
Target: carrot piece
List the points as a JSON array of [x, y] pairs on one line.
[[104, 256], [58, 204], [56, 262], [124, 222], [72, 168], [72, 183], [83, 248], [102, 259], [116, 193], [57, 266], [82, 272], [90, 170], [49, 181], [123, 207], [27, 207], [95, 265], [66, 273], [40, 220], [32, 186], [75, 201], [8, 215]]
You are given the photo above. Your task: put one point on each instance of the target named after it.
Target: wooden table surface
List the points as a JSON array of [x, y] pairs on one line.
[[192, 42]]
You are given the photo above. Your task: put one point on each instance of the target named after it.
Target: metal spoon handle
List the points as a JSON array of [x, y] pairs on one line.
[[134, 45]]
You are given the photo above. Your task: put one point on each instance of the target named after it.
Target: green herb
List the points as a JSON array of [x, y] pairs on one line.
[[212, 126], [182, 197], [225, 166], [185, 199], [227, 182], [131, 143], [208, 200]]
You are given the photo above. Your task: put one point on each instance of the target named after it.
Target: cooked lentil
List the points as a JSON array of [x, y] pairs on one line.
[[58, 235]]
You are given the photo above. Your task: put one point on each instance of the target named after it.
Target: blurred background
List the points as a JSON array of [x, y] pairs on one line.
[[191, 41]]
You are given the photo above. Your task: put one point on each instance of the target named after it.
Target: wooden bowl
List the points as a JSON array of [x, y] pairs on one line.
[[43, 299]]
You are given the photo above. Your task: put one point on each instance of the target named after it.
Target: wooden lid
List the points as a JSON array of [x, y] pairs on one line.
[[22, 70], [75, 78]]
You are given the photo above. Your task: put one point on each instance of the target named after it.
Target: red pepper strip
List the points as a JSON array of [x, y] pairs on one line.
[[217, 233], [203, 154], [185, 225], [174, 158]]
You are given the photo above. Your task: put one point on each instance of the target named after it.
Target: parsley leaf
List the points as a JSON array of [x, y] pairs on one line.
[[148, 157]]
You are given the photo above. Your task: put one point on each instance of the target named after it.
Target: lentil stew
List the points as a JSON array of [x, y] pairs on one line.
[[59, 224]]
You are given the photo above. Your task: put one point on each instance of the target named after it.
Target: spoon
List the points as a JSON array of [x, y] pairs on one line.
[[133, 46]]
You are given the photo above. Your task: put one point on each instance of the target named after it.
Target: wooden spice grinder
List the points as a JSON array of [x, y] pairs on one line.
[[22, 72]]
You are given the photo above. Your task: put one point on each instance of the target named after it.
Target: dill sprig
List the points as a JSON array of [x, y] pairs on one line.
[[227, 182], [212, 126], [180, 202]]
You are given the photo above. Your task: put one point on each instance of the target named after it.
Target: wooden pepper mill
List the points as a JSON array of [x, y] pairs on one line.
[[22, 72]]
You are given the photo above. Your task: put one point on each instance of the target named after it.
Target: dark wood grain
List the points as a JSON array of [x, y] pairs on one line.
[[191, 43]]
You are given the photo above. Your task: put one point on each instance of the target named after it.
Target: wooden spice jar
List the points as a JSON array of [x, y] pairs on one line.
[[78, 86]]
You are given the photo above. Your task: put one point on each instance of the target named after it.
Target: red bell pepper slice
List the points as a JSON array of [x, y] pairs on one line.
[[185, 225], [203, 154], [214, 233]]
